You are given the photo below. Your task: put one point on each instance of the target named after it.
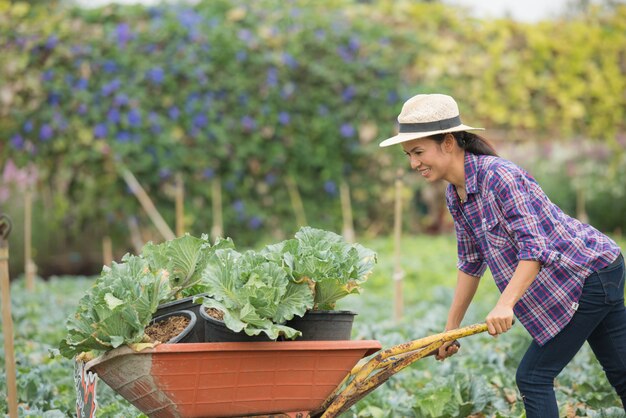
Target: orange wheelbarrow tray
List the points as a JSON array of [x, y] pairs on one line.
[[245, 379]]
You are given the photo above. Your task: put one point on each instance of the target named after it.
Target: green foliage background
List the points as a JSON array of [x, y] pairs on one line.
[[253, 94]]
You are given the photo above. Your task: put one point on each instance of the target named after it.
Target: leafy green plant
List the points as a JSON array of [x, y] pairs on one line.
[[254, 294], [116, 309], [333, 267]]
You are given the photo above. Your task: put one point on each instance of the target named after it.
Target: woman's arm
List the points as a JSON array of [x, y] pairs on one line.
[[464, 292], [500, 319]]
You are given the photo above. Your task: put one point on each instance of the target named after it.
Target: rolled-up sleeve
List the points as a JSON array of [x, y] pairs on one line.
[[514, 195], [470, 260]]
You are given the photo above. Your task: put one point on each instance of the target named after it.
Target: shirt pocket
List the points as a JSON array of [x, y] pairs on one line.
[[495, 234]]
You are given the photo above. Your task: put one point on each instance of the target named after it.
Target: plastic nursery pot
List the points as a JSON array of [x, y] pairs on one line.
[[187, 335], [217, 331], [188, 305], [323, 325]]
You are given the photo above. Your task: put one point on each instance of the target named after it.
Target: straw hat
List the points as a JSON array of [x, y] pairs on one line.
[[425, 115]]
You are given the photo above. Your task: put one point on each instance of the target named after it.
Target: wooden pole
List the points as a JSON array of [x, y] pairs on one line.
[[7, 320], [398, 273], [107, 251], [346, 210], [217, 230], [29, 265], [180, 205], [296, 201], [147, 204]]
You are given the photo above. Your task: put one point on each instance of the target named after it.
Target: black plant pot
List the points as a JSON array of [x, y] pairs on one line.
[[216, 331], [184, 304], [323, 325], [187, 335]]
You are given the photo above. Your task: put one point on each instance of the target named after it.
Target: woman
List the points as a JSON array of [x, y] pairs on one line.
[[562, 279]]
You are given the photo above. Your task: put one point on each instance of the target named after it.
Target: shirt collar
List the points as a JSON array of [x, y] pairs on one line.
[[471, 169]]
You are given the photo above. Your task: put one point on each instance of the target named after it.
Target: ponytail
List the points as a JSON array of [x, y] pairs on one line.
[[469, 142]]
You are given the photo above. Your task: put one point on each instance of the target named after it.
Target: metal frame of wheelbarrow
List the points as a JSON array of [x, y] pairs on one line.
[[229, 370]]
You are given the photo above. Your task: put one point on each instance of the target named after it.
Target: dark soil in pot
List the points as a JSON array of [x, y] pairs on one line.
[[188, 305], [174, 327]]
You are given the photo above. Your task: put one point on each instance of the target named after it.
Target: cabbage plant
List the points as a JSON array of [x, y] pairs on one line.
[[331, 266], [255, 294]]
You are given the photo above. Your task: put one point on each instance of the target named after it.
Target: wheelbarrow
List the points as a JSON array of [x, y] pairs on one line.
[[296, 379]]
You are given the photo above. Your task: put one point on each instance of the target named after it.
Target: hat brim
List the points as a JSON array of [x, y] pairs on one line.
[[408, 136]]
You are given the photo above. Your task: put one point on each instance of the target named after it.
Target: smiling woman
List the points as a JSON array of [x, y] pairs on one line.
[[563, 279]]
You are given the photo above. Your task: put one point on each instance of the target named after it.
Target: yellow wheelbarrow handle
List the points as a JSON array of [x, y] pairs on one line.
[[368, 375]]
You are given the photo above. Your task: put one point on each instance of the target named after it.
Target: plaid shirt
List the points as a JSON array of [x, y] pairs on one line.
[[507, 217]]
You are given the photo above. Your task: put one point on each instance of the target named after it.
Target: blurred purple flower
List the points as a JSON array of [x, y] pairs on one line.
[[82, 84], [270, 179], [46, 132], [200, 121], [347, 130], [248, 123], [320, 34], [189, 19], [113, 115], [284, 118], [245, 35], [165, 173], [109, 66], [330, 187], [348, 94], [173, 112], [289, 60], [52, 41], [392, 97], [241, 56], [17, 142], [156, 75], [28, 126], [123, 34], [354, 44], [272, 77], [47, 75], [345, 53], [322, 110], [82, 109], [255, 222], [123, 136], [121, 99], [111, 87], [134, 117], [243, 99], [54, 98], [239, 206], [100, 130], [208, 173]]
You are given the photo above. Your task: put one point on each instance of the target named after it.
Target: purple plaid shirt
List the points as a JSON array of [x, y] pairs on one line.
[[507, 217]]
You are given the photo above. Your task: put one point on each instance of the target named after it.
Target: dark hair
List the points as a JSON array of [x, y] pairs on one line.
[[469, 142]]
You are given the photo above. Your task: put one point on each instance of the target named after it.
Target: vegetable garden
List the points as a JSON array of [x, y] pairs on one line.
[[251, 120]]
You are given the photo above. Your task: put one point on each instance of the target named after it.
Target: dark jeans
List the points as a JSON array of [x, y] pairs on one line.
[[600, 320]]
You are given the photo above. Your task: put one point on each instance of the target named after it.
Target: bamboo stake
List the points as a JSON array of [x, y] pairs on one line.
[[7, 320], [296, 201], [147, 204], [180, 207], [217, 230], [346, 210], [398, 273], [29, 265], [107, 251]]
